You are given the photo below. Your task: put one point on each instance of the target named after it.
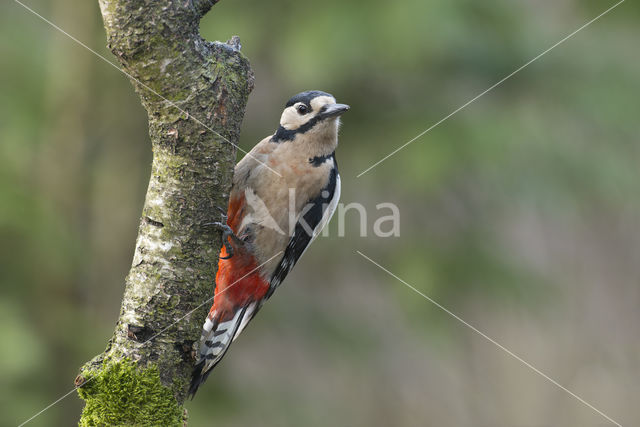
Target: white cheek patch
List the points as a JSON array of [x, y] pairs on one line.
[[291, 120]]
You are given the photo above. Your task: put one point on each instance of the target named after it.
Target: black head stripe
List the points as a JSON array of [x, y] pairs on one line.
[[306, 97], [283, 134]]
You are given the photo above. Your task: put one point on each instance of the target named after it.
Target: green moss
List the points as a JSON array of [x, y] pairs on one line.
[[121, 394]]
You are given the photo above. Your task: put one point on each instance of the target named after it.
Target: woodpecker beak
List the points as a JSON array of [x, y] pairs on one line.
[[334, 110]]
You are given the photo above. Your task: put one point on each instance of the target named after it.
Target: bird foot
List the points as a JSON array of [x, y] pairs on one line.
[[226, 233]]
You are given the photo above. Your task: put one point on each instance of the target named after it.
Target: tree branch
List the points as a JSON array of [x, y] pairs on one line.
[[195, 93]]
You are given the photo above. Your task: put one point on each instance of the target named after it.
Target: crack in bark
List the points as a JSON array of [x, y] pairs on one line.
[[153, 222]]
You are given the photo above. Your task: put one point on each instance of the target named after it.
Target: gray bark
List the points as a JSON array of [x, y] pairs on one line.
[[143, 375]]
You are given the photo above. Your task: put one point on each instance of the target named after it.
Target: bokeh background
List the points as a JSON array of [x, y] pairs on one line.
[[521, 214]]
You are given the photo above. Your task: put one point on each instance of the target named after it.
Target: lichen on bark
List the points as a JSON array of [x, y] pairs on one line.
[[195, 93]]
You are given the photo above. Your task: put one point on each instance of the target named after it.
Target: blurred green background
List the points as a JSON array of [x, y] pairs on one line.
[[521, 214]]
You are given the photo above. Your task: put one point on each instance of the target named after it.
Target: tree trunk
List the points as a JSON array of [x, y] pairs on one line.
[[195, 93]]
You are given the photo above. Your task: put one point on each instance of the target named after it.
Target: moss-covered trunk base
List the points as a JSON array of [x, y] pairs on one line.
[[122, 394]]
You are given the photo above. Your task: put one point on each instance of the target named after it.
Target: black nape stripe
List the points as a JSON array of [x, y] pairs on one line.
[[283, 134]]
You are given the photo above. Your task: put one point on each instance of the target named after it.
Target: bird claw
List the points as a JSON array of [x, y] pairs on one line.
[[226, 233]]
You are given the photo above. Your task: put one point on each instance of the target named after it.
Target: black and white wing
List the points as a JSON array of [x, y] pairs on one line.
[[313, 221]]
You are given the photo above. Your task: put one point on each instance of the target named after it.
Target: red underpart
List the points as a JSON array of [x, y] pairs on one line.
[[238, 281]]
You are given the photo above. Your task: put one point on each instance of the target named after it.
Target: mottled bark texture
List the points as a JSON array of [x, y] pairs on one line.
[[143, 375]]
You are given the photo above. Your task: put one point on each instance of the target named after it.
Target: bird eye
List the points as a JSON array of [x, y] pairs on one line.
[[302, 109]]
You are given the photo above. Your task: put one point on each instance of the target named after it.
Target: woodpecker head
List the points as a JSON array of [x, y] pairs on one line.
[[312, 113]]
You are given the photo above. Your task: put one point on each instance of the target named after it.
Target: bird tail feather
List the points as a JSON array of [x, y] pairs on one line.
[[215, 341]]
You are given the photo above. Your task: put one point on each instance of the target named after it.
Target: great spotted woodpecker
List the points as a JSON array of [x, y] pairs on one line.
[[272, 217]]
